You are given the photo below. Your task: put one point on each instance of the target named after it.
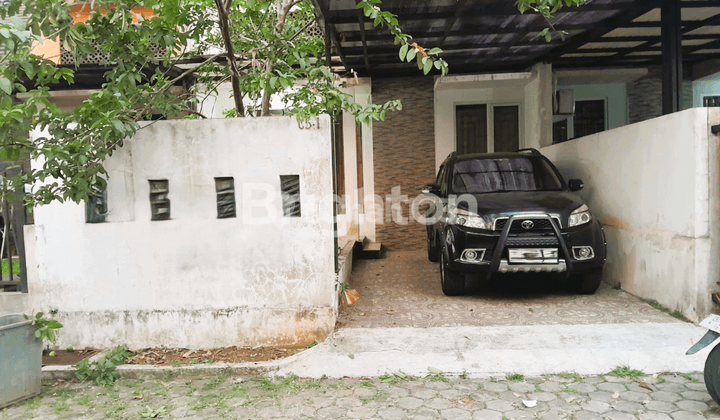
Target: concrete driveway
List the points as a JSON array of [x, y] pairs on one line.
[[403, 322], [403, 290]]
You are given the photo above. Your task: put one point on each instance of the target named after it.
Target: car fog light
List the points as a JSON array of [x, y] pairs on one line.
[[583, 252], [471, 255]]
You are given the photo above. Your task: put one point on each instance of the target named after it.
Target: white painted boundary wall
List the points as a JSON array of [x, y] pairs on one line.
[[195, 280], [655, 187]]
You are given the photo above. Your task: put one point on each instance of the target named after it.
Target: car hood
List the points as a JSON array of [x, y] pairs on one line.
[[509, 203]]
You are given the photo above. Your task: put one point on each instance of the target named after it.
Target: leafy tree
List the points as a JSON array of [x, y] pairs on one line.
[[260, 46]]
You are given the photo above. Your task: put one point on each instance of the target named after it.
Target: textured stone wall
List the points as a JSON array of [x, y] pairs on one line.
[[404, 155], [645, 96]]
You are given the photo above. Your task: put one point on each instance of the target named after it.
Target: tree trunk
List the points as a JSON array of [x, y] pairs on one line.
[[223, 21]]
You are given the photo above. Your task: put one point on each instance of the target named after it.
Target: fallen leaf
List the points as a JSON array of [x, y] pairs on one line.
[[362, 313], [138, 397], [434, 371], [530, 403], [646, 386], [187, 353], [616, 395], [516, 394], [165, 384], [569, 400], [655, 375], [646, 402]]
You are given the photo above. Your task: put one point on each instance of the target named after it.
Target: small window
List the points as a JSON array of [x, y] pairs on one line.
[[290, 188], [225, 188], [711, 101], [589, 118], [159, 201], [96, 206]]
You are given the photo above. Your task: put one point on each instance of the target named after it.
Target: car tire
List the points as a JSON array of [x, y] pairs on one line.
[[452, 282], [586, 283], [712, 373], [432, 248]]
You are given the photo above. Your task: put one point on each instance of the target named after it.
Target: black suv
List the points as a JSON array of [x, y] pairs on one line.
[[511, 213]]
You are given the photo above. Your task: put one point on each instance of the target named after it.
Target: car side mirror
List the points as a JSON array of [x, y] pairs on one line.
[[575, 184], [431, 189]]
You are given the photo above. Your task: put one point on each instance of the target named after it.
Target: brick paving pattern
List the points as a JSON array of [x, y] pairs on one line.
[[394, 396], [403, 290]]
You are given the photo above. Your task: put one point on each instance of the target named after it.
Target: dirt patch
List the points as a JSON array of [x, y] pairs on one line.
[[63, 357], [179, 357]]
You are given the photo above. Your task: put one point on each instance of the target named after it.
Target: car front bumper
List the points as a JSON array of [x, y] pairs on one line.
[[495, 248]]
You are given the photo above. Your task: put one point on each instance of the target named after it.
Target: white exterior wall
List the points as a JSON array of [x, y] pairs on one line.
[[531, 91], [654, 186], [195, 280]]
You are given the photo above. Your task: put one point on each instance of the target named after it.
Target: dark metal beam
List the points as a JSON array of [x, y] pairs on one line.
[[504, 9], [363, 36], [320, 14], [671, 56], [451, 22]]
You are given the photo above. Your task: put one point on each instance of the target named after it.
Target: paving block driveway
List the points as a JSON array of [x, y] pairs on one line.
[[403, 290], [390, 397]]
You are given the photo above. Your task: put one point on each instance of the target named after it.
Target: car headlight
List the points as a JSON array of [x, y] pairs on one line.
[[580, 216], [467, 218]]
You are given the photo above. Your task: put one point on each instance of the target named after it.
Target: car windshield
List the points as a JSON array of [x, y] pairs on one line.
[[477, 176]]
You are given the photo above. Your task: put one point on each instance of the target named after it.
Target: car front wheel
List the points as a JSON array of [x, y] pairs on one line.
[[586, 283], [452, 282]]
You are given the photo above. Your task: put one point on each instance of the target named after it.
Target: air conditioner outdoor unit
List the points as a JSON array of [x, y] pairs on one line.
[[564, 102]]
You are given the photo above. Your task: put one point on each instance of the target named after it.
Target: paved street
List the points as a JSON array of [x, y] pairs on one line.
[[393, 396]]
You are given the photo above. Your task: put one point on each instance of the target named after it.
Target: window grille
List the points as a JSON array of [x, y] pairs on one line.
[[711, 101], [159, 201], [96, 206], [225, 188], [290, 188]]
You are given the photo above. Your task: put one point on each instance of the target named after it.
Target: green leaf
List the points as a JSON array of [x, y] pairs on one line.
[[411, 55], [434, 51], [5, 85], [403, 52], [434, 371], [427, 66]]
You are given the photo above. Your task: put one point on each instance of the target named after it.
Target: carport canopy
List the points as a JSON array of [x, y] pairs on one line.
[[493, 36]]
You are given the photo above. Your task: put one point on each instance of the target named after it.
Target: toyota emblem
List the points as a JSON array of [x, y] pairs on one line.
[[527, 224]]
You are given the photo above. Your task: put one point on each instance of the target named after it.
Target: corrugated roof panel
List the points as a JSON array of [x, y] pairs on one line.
[[700, 13], [633, 32], [591, 45]]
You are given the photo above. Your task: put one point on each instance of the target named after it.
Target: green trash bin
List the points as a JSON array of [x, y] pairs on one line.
[[20, 360]]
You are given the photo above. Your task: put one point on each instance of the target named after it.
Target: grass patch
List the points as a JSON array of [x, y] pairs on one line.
[[690, 378], [379, 394], [515, 377], [395, 378], [674, 314], [625, 372], [15, 266], [285, 386], [480, 387], [115, 412], [32, 403], [569, 390], [572, 376]]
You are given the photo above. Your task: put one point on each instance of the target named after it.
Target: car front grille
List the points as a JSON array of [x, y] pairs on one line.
[[517, 226], [524, 241]]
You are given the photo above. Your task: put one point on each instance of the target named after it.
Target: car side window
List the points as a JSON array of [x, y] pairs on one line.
[[442, 181]]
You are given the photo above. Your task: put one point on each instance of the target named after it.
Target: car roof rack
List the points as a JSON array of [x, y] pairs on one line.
[[529, 149]]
